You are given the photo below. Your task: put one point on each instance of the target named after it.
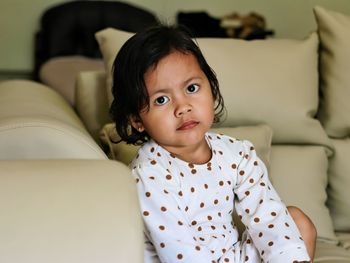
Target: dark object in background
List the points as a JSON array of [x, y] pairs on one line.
[[201, 24], [248, 27], [69, 28]]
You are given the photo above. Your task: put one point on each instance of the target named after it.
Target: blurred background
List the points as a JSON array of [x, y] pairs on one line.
[[20, 20]]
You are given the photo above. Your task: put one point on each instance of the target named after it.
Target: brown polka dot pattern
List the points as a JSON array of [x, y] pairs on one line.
[[186, 206]]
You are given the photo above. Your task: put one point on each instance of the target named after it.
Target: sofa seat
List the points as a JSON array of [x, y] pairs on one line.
[[331, 253]]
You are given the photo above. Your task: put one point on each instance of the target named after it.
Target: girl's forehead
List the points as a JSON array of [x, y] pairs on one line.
[[174, 58], [175, 70]]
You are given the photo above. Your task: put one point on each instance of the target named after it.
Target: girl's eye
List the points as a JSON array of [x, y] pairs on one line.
[[192, 88], [161, 100]]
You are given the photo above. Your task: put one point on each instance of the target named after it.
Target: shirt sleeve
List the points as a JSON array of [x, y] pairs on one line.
[[265, 216], [165, 219]]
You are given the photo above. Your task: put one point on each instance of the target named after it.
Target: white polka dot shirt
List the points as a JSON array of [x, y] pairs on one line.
[[187, 208]]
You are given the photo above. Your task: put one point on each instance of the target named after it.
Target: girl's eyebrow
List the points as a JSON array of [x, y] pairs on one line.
[[191, 80], [167, 90]]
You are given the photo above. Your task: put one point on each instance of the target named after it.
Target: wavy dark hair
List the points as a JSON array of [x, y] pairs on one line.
[[139, 53]]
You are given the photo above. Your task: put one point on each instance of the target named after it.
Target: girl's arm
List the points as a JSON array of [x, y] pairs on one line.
[[166, 223], [267, 220]]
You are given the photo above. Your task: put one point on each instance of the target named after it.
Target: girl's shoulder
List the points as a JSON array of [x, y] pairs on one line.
[[220, 137], [224, 139], [219, 141], [149, 154], [155, 163]]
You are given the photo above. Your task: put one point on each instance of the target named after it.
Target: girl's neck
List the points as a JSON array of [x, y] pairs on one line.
[[196, 154]]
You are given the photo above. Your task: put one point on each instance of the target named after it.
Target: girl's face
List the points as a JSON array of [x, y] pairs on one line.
[[181, 104]]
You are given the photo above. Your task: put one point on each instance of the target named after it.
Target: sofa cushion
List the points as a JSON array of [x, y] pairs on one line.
[[339, 183], [91, 101], [68, 68], [331, 253], [110, 40], [264, 81], [334, 32], [344, 239], [259, 135], [272, 81], [299, 173]]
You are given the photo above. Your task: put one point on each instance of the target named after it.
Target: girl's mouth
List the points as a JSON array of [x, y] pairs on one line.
[[187, 125]]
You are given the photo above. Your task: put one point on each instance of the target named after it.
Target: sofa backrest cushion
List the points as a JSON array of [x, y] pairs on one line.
[[263, 81], [110, 41], [334, 32], [299, 173], [68, 68], [339, 183], [91, 101]]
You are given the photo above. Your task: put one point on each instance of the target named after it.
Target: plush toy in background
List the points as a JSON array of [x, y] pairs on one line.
[[251, 26]]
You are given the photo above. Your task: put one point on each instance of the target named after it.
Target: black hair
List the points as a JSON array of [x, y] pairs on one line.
[[139, 53]]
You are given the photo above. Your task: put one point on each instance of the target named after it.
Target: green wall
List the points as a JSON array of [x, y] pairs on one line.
[[19, 20]]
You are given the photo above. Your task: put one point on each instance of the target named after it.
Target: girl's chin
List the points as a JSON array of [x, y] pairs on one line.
[[182, 143]]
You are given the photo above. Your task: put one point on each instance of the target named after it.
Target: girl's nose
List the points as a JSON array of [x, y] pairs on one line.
[[183, 109]]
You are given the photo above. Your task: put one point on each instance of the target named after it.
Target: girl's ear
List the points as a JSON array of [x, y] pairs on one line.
[[137, 123]]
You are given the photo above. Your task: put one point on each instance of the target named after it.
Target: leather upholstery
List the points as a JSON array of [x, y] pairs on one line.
[[37, 123], [69, 211]]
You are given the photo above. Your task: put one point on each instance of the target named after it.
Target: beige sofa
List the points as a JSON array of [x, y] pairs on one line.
[[290, 97], [61, 199], [74, 210], [71, 211], [37, 123]]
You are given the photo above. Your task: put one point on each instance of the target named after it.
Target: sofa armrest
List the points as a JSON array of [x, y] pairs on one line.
[[69, 211], [37, 123], [91, 101]]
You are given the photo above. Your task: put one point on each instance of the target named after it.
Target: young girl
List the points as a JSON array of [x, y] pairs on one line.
[[189, 180]]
